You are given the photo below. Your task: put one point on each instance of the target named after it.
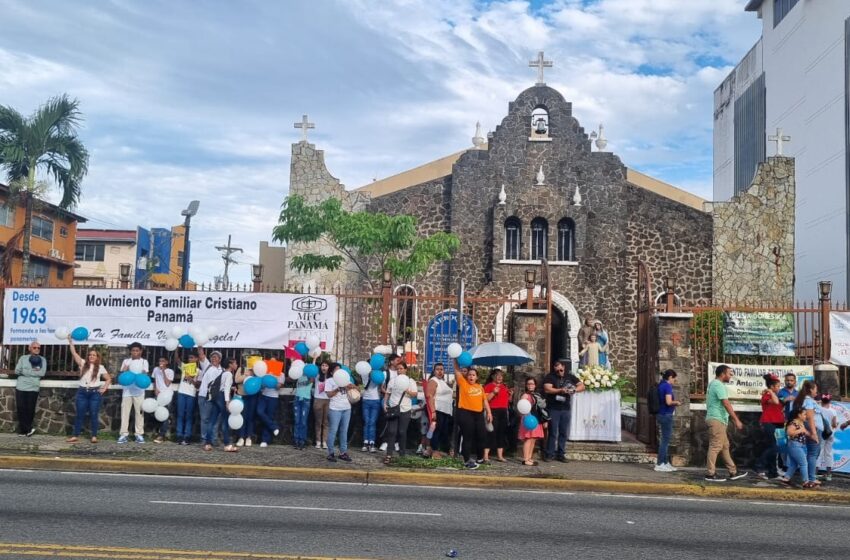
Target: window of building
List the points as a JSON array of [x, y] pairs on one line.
[[405, 314], [513, 236], [749, 128], [63, 231], [90, 252], [42, 227], [566, 240], [539, 239], [180, 259], [60, 274], [7, 216], [39, 269], [540, 121], [781, 9]]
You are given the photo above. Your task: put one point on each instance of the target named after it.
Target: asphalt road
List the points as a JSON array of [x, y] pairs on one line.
[[138, 515]]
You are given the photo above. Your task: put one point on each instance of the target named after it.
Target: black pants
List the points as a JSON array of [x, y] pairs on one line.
[[25, 402], [443, 433], [473, 432], [498, 438], [396, 432]]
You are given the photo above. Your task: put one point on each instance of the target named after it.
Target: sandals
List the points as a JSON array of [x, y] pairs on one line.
[[72, 439], [530, 463], [501, 459], [231, 448], [387, 459], [94, 439], [208, 447]]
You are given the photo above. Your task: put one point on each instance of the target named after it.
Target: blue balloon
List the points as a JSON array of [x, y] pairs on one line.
[[269, 381], [377, 361], [126, 378], [252, 385], [186, 341], [311, 370], [302, 348], [530, 422], [80, 334], [377, 377], [143, 380], [465, 359]]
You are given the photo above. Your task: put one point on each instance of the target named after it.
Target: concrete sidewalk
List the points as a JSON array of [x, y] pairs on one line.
[[278, 461]]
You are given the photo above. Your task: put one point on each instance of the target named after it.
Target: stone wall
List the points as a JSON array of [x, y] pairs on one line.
[[754, 239], [746, 444], [674, 352]]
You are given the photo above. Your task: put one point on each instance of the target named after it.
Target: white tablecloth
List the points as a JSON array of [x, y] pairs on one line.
[[595, 416]]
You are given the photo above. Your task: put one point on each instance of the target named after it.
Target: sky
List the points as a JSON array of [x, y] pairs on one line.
[[196, 101]]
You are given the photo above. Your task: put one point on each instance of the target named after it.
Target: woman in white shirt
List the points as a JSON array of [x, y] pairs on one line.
[[94, 381], [397, 405], [339, 415], [371, 409], [438, 396]]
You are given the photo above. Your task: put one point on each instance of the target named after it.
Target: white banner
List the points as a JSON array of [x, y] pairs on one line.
[[748, 380], [119, 317], [839, 334]]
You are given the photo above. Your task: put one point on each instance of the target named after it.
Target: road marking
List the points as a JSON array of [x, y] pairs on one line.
[[301, 508], [123, 553]]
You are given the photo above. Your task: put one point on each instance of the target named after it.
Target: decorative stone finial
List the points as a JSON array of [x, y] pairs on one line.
[[599, 137], [503, 197], [478, 141], [577, 198], [541, 178]]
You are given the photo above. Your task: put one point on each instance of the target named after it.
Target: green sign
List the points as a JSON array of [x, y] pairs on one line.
[[759, 333]]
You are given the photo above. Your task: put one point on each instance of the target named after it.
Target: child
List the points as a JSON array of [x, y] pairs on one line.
[[186, 392], [827, 458], [593, 350], [162, 378], [797, 438], [303, 393], [132, 395]]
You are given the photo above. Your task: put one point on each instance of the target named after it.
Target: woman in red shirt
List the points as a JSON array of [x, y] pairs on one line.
[[499, 396], [772, 417]]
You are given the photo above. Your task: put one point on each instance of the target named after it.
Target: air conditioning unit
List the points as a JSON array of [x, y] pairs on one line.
[[57, 254]]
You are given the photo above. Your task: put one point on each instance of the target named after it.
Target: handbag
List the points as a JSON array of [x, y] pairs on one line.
[[393, 412], [353, 395]]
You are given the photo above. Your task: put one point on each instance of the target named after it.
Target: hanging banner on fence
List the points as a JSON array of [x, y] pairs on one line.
[[839, 335], [748, 380], [841, 440], [119, 317], [442, 331], [758, 333]]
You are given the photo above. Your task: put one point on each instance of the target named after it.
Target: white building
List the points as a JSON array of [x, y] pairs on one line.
[[796, 79]]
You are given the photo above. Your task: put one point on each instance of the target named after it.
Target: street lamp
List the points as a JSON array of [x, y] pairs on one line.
[[188, 213], [825, 288], [257, 270], [124, 275], [530, 280], [670, 292]]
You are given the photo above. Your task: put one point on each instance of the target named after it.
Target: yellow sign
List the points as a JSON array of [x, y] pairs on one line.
[[190, 369]]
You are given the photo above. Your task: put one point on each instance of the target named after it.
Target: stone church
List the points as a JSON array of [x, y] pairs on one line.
[[536, 190]]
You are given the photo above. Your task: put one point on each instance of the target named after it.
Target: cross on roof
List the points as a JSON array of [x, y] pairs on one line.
[[304, 125], [540, 63], [779, 139]]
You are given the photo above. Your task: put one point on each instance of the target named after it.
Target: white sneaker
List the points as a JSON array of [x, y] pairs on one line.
[[383, 446], [365, 448], [671, 468], [318, 445], [248, 442], [396, 447], [240, 442], [419, 450], [660, 468], [276, 432], [264, 444], [324, 445]]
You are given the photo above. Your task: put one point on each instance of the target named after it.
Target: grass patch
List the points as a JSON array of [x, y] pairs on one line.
[[416, 462]]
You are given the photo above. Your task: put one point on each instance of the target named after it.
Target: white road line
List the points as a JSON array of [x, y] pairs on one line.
[[798, 504], [301, 508]]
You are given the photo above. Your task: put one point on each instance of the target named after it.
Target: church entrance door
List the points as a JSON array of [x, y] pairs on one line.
[[647, 356]]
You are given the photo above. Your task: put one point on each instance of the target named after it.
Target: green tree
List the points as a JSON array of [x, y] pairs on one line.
[[45, 142], [372, 241]]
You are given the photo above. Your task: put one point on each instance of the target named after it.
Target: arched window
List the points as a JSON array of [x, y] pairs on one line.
[[539, 239], [404, 327], [566, 240], [539, 121], [513, 236]]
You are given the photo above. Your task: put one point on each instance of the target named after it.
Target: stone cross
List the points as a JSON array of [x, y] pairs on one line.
[[540, 63], [304, 125], [779, 139]]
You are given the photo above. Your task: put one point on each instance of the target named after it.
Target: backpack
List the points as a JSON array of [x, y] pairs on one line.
[[653, 400]]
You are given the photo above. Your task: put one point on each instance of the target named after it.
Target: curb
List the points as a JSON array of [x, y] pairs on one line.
[[422, 479]]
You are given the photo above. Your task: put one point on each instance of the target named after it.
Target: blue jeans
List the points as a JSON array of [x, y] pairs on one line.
[[338, 422], [559, 428], [812, 454], [665, 421], [217, 411], [797, 459], [371, 409], [267, 413], [204, 410], [88, 401], [250, 402], [766, 462], [185, 416], [302, 413]]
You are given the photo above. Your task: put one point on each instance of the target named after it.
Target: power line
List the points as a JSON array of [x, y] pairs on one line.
[[226, 254]]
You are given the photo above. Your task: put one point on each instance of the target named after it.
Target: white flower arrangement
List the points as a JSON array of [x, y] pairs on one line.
[[597, 378]]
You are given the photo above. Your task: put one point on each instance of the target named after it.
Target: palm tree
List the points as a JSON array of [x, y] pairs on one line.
[[46, 141]]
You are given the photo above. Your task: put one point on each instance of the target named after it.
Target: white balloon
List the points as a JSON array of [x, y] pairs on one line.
[[454, 350], [402, 381], [211, 331], [315, 352], [313, 341], [171, 344], [161, 414], [363, 368], [236, 407], [201, 339], [164, 398], [149, 405], [523, 406], [295, 374], [177, 331], [235, 421], [341, 378], [195, 331], [62, 333], [260, 368], [297, 365]]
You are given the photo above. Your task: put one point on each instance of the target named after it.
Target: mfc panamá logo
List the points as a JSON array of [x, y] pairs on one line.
[[309, 303]]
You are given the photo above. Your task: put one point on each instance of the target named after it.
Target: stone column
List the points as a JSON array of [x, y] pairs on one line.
[[674, 352]]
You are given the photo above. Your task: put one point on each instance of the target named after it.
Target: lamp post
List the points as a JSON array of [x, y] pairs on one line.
[[670, 291], [257, 270], [386, 305], [188, 213], [530, 280], [124, 275], [824, 299]]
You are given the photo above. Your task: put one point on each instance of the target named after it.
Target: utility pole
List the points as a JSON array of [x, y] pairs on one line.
[[226, 252]]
